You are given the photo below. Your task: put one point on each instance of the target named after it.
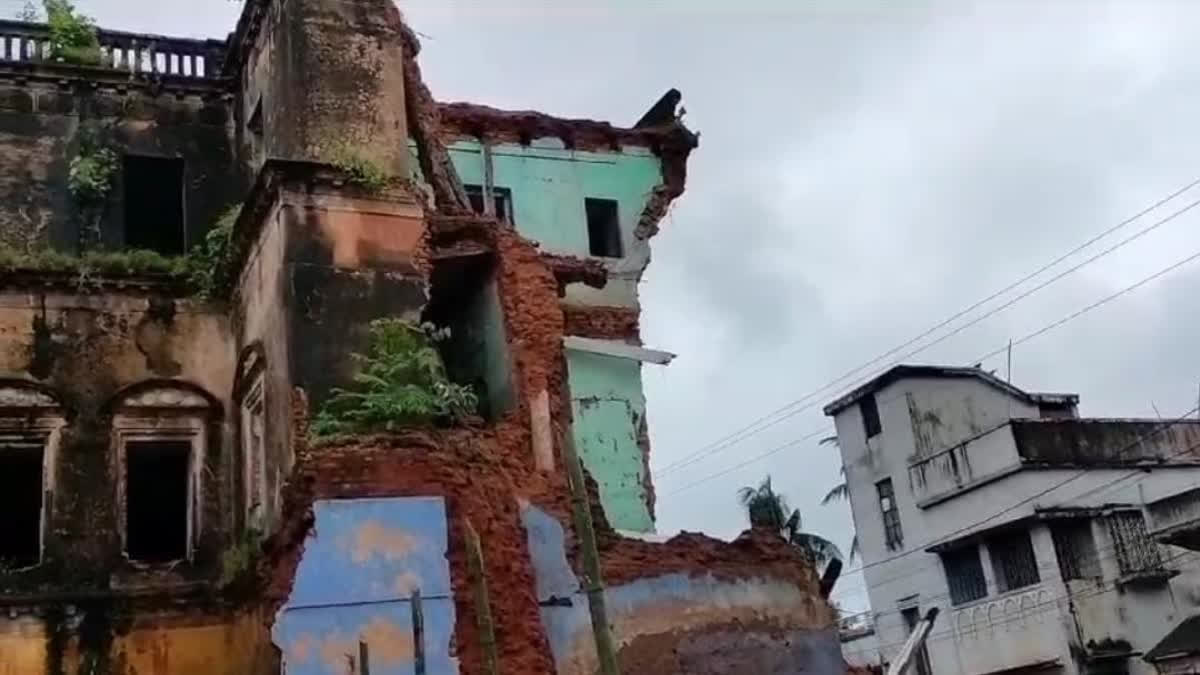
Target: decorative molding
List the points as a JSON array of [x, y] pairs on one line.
[[165, 398], [16, 396]]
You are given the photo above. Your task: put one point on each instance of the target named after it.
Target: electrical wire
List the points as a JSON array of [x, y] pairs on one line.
[[788, 410], [1041, 331]]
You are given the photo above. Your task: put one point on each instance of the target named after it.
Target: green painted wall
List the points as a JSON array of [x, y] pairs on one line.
[[608, 405], [549, 185]]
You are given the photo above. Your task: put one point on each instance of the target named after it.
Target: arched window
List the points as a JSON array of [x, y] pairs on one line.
[[161, 438], [249, 392], [31, 422]]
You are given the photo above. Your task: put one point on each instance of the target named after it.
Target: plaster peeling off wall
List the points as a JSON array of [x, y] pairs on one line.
[[361, 563], [549, 183], [678, 623], [607, 405]]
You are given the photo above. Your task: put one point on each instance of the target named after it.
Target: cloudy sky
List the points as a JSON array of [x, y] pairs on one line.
[[864, 173]]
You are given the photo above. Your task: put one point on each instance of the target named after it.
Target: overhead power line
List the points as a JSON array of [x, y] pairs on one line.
[[795, 406], [1041, 331]]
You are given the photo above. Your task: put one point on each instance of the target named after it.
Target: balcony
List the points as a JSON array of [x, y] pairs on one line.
[[25, 50], [1176, 519], [1016, 630], [977, 461]]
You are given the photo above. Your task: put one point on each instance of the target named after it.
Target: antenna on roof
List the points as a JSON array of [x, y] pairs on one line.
[[1008, 378]]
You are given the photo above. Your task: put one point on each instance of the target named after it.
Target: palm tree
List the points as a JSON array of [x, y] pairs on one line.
[[839, 493], [769, 509]]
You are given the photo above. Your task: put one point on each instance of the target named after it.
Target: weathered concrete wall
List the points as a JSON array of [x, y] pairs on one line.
[[329, 75], [360, 566], [609, 411], [161, 642], [681, 622], [86, 348], [39, 134]]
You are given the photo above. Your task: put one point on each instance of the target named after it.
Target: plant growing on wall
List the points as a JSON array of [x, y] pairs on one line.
[[401, 383], [210, 263], [90, 176], [72, 35], [359, 170]]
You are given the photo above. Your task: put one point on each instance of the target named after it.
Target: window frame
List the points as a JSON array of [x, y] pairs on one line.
[[893, 530], [30, 415], [44, 431], [617, 237], [1133, 549], [141, 426], [181, 163], [252, 408], [1075, 549], [956, 587], [1004, 560], [868, 408]]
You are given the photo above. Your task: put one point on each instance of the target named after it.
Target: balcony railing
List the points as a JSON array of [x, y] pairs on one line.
[[1015, 630], [1176, 519], [132, 53]]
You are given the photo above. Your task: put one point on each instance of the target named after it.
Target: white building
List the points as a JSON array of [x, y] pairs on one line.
[[1050, 543]]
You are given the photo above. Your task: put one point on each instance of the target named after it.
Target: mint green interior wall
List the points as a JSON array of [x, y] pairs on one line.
[[608, 405], [549, 184]]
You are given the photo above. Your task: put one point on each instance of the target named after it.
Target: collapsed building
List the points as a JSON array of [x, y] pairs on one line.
[[197, 239]]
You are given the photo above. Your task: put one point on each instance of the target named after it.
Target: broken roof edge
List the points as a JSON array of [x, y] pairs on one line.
[[904, 371], [1182, 640]]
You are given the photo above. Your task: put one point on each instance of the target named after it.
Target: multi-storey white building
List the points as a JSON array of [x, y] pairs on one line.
[[1049, 542]]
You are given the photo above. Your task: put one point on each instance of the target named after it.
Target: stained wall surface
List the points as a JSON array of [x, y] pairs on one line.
[[679, 622], [609, 409]]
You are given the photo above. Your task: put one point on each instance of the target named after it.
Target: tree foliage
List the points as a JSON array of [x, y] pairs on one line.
[[72, 36], [401, 383], [769, 509]]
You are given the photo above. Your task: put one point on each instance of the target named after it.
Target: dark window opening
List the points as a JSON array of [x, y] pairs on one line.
[[1013, 561], [912, 617], [463, 297], [156, 500], [501, 201], [870, 416], [893, 535], [604, 227], [1075, 548], [964, 575], [21, 504], [154, 204], [255, 123]]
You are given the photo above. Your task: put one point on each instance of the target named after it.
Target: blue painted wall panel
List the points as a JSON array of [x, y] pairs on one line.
[[320, 641], [360, 565], [368, 550]]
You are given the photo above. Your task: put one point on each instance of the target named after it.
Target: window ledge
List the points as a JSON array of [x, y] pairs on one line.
[[1146, 578]]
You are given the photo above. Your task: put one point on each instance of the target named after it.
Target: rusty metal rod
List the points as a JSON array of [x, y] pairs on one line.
[[606, 653], [483, 606]]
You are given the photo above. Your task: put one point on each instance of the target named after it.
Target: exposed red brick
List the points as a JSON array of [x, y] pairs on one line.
[[570, 270], [604, 323]]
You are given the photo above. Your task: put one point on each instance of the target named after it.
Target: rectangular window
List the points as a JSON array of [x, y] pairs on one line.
[[154, 204], [21, 503], [1135, 551], [255, 123], [912, 617], [893, 535], [1075, 548], [964, 575], [501, 201], [254, 473], [157, 492], [870, 416], [1013, 561], [604, 227]]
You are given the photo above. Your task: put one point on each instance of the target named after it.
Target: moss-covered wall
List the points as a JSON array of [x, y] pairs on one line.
[[40, 127], [85, 349]]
